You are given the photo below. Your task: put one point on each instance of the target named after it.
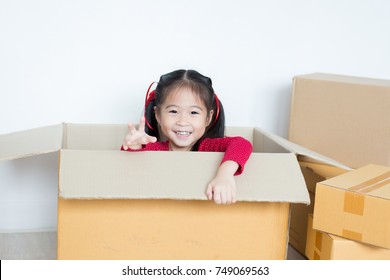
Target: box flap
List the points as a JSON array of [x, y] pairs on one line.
[[122, 175], [31, 142], [302, 152], [94, 136], [373, 180]]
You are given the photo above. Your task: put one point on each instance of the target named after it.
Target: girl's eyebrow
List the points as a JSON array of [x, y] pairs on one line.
[[176, 106]]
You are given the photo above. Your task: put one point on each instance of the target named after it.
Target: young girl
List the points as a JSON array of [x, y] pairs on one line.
[[184, 114]]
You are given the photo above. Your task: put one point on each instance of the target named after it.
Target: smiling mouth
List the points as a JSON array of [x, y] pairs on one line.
[[183, 133]]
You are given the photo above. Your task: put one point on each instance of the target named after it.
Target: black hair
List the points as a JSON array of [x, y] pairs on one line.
[[200, 85]]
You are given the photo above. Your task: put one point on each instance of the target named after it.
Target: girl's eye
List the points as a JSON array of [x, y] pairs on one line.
[[172, 111], [194, 113]]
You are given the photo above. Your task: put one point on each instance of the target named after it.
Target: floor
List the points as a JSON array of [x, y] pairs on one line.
[[43, 246], [28, 246]]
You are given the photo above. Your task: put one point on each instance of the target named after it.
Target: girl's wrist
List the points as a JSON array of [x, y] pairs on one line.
[[228, 167]]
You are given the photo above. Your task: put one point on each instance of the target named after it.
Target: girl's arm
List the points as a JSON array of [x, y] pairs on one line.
[[236, 148], [222, 189]]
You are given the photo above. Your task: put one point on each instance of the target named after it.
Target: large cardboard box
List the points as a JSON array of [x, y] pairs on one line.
[[325, 246], [152, 205], [342, 117], [313, 172], [356, 205], [315, 168]]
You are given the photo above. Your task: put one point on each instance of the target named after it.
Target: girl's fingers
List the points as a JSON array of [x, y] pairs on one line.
[[224, 197], [234, 200], [217, 197], [220, 197], [141, 127], [131, 127], [209, 192]]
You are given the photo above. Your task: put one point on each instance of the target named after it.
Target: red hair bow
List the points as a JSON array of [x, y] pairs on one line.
[[149, 98], [217, 107]]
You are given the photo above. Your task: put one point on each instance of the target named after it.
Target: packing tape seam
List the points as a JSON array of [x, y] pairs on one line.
[[376, 186], [354, 235], [372, 181]]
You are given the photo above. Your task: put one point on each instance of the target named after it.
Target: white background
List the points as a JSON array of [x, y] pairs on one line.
[[91, 61]]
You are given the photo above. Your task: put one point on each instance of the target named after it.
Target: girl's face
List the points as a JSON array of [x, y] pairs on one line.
[[183, 119]]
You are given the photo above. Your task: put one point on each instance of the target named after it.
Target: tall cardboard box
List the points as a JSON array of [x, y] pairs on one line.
[[342, 117], [356, 205], [152, 205], [315, 168], [313, 172], [325, 246]]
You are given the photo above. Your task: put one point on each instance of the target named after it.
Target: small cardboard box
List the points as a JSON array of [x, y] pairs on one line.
[[342, 117], [152, 205], [325, 246], [313, 173], [356, 205]]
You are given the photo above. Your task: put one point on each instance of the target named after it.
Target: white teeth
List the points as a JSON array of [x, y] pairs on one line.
[[183, 132]]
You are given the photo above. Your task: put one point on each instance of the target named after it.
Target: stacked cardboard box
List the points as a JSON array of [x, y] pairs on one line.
[[325, 246], [356, 205], [347, 119], [351, 219]]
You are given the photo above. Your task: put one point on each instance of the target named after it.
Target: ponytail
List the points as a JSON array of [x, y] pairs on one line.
[[151, 127], [217, 127]]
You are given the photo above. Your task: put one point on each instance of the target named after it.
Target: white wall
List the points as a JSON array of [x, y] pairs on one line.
[[90, 61]]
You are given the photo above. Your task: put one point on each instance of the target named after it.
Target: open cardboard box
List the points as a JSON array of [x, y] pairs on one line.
[[152, 205]]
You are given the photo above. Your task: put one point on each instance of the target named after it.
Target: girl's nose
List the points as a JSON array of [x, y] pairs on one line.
[[182, 120]]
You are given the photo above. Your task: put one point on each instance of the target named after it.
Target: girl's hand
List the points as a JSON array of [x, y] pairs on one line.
[[135, 138], [222, 189]]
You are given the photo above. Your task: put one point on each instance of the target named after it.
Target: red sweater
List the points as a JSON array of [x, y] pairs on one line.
[[237, 149]]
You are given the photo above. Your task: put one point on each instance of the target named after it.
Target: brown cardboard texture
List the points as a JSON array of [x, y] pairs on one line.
[[313, 173], [152, 205], [342, 117], [356, 205], [325, 246]]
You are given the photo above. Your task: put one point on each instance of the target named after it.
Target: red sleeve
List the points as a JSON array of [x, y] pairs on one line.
[[237, 149], [157, 146]]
